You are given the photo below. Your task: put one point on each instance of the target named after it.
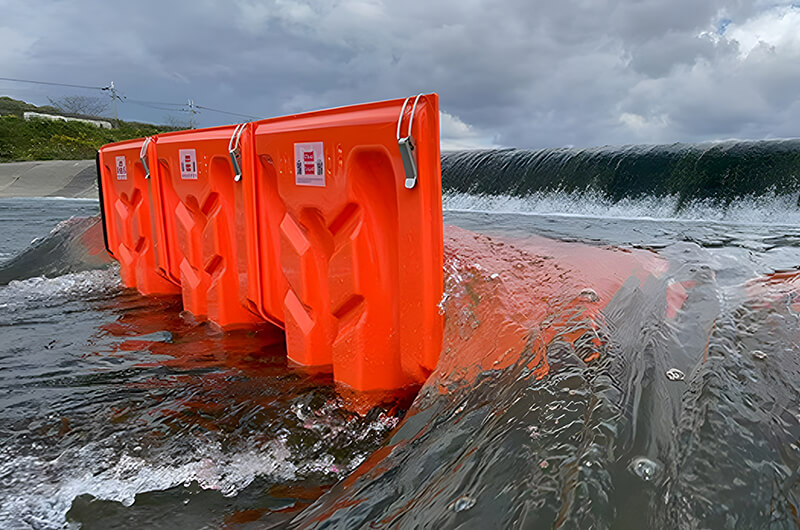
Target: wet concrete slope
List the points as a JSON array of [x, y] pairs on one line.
[[50, 178]]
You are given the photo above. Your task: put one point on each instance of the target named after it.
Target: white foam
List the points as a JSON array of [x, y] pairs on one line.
[[42, 492], [21, 293], [770, 208], [67, 223], [52, 199]]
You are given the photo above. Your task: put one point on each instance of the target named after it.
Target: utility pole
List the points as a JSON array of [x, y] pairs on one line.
[[113, 92], [192, 113]]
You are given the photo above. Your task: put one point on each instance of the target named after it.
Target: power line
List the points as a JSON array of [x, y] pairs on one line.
[[115, 96], [155, 106], [49, 83], [226, 112], [154, 103]]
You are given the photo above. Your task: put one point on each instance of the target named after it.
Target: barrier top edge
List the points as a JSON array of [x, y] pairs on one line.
[[137, 142]]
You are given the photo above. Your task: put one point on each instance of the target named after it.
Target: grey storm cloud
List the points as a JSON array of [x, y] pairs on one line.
[[513, 73]]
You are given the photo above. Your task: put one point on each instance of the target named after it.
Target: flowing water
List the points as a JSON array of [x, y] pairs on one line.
[[620, 352]]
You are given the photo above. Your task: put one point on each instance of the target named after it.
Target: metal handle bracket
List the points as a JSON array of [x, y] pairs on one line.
[[235, 152], [143, 157], [407, 146]]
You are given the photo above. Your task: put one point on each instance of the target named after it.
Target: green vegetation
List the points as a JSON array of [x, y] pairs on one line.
[[41, 139], [14, 106]]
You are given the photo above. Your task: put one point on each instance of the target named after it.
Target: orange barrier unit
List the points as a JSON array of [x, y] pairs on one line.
[[328, 224], [197, 199], [128, 216], [355, 194]]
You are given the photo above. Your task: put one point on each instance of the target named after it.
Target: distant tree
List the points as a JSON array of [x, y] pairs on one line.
[[176, 122], [82, 105]]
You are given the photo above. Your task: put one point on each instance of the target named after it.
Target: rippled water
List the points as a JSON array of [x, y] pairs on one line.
[[119, 410], [614, 370]]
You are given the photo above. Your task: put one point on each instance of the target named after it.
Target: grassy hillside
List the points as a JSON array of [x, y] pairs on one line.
[[56, 140], [14, 106]]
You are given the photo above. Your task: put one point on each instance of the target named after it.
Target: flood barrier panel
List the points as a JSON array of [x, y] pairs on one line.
[[327, 224], [197, 197], [129, 217], [359, 238]]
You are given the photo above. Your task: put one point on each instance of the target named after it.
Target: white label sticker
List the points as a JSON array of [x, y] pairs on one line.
[[122, 169], [188, 160], [309, 164]]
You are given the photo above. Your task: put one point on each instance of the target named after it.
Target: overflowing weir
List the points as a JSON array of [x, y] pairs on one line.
[[720, 171]]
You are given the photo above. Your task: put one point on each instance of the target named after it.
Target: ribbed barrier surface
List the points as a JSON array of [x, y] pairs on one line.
[[196, 201], [327, 224], [128, 212]]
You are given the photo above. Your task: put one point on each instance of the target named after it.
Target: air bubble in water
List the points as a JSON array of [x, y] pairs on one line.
[[760, 355], [588, 295], [673, 374], [644, 468], [533, 431], [463, 503]]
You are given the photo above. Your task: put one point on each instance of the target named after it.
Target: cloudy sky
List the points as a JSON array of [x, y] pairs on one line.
[[518, 73]]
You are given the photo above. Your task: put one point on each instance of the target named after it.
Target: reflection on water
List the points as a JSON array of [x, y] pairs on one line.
[[592, 432]]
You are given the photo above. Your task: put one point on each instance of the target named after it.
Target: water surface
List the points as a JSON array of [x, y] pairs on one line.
[[609, 362]]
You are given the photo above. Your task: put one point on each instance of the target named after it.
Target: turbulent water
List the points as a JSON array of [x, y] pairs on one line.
[[612, 359]]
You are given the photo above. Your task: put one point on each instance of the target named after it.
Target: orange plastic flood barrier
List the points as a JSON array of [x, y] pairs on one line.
[[196, 202], [347, 204], [127, 208], [328, 224]]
